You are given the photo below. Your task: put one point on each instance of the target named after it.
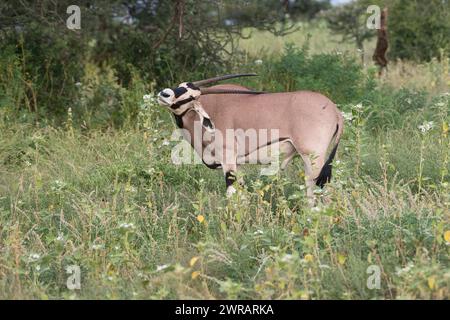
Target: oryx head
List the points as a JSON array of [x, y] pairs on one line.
[[182, 98]]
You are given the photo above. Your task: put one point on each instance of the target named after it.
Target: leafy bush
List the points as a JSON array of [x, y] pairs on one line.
[[335, 75], [419, 29]]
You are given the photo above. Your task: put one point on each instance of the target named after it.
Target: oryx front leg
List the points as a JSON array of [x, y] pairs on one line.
[[229, 166], [230, 178]]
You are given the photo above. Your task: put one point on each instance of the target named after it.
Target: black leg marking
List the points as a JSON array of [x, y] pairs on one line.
[[230, 178]]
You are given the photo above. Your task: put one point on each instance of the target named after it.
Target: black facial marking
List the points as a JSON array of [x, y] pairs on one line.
[[178, 121], [179, 91], [230, 178], [192, 86], [180, 103], [207, 123], [179, 118]]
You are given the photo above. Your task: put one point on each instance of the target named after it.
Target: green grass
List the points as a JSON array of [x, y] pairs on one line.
[[319, 38], [66, 194]]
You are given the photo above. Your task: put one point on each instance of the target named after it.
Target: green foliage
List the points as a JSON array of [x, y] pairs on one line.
[[12, 88], [335, 75], [419, 30]]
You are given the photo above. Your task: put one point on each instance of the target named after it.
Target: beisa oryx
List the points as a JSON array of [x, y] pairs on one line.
[[306, 123]]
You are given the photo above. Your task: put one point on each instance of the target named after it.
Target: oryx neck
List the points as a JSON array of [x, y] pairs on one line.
[[179, 118]]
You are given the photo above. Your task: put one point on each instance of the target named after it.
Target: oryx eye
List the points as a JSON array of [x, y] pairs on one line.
[[179, 91]]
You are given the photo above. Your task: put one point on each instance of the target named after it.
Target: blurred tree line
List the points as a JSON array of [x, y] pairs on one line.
[[418, 30], [43, 63], [161, 40]]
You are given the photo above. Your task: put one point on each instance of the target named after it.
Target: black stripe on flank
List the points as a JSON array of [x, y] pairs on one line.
[[266, 145], [182, 102]]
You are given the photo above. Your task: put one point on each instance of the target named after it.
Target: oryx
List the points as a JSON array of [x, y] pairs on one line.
[[307, 123]]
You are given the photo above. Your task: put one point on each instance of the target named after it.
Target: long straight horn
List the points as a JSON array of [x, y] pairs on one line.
[[228, 91], [221, 78]]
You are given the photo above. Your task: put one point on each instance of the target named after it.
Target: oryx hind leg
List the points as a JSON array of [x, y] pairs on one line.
[[288, 151], [313, 165]]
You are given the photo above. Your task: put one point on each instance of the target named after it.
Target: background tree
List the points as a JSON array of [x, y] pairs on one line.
[[419, 30], [163, 41], [349, 21]]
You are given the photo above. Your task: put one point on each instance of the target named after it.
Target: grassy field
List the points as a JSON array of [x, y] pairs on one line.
[[139, 227]]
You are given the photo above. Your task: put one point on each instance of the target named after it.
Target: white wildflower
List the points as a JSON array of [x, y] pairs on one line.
[[426, 126], [58, 185], [347, 116], [359, 106], [34, 257], [162, 267], [147, 98], [287, 257], [258, 232], [126, 226], [97, 247], [404, 270], [258, 62]]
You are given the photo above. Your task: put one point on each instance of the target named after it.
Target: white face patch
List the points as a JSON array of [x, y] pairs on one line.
[[180, 99]]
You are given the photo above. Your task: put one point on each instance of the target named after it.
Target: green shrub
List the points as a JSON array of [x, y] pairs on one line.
[[335, 75], [419, 29]]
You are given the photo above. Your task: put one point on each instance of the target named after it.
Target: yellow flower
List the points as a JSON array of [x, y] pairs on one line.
[[341, 258], [304, 295], [432, 282], [195, 275], [447, 236], [193, 261], [309, 257], [200, 218], [445, 128]]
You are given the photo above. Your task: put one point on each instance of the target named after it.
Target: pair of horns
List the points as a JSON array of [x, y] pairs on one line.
[[225, 91]]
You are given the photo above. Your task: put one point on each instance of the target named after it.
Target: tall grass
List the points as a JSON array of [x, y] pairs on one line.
[[112, 203]]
